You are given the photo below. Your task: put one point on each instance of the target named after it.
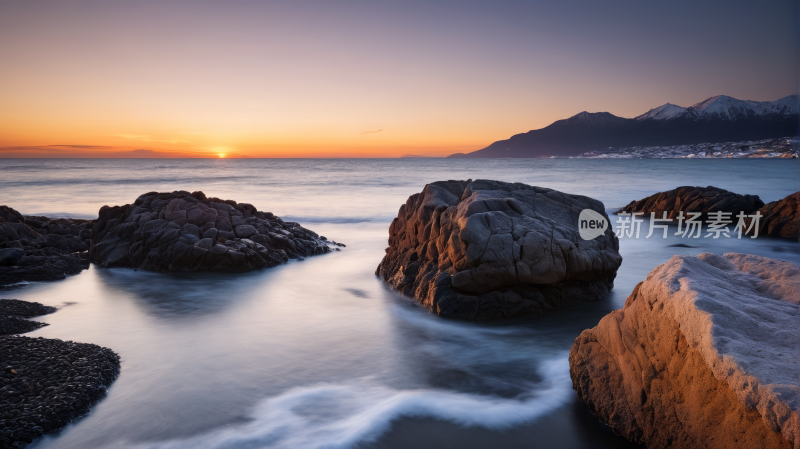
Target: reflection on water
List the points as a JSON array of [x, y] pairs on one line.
[[320, 353]]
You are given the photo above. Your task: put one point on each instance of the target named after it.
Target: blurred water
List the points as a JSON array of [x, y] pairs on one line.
[[320, 353]]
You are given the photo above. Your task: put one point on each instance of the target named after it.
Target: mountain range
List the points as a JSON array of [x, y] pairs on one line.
[[717, 119]]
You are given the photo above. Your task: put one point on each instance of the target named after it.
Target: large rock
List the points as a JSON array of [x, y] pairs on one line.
[[180, 231], [41, 248], [781, 218], [489, 249], [694, 199], [705, 354]]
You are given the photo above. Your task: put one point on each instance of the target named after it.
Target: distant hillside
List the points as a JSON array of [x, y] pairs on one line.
[[717, 119]]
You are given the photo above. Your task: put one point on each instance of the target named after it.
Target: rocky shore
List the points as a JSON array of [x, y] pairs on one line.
[[489, 249], [40, 248], [45, 383], [179, 231], [694, 199], [704, 354]]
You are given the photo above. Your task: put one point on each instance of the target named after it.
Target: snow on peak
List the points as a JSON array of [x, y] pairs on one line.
[[663, 112], [729, 108], [723, 107]]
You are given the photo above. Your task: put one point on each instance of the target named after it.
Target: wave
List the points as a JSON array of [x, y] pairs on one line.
[[344, 415]]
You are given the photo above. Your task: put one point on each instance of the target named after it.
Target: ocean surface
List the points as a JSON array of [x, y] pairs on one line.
[[320, 353]]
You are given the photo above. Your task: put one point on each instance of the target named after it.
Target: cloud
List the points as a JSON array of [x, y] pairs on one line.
[[147, 138], [372, 132], [82, 147]]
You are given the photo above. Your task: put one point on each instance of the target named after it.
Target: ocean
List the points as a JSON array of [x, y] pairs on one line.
[[320, 353]]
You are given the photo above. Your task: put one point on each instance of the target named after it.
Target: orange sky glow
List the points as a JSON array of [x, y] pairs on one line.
[[269, 79]]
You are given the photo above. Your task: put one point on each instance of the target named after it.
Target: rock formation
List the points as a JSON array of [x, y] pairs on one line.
[[45, 383], [180, 231], [489, 249], [703, 355], [781, 218], [694, 199], [41, 248]]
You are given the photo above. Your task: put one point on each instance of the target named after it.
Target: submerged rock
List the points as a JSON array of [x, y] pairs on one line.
[[490, 249], [694, 199], [704, 355], [180, 231], [36, 248], [781, 218]]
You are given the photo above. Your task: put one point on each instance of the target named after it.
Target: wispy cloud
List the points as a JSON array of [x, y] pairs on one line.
[[147, 138], [372, 132]]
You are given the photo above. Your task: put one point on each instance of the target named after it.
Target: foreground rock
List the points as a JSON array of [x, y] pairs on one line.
[[47, 383], [40, 248], [180, 231], [781, 218], [13, 313], [489, 249], [694, 199], [703, 355]]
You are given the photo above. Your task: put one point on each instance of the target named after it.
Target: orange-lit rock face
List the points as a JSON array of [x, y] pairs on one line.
[[704, 354], [488, 249]]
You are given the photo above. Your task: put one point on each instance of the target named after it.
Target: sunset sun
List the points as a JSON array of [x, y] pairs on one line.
[[221, 155]]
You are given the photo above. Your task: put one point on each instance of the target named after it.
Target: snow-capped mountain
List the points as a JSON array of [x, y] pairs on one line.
[[663, 112], [723, 107], [716, 119]]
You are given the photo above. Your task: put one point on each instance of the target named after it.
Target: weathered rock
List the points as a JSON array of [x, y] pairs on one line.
[[179, 231], [703, 355], [489, 249], [694, 199], [41, 248], [781, 218]]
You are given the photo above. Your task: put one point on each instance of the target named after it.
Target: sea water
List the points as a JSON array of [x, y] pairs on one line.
[[320, 353]]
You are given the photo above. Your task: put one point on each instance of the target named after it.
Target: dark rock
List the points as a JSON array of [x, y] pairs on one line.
[[489, 249], [51, 247], [47, 383], [10, 256], [179, 231], [694, 199]]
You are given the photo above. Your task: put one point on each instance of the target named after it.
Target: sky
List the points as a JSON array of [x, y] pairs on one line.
[[234, 78]]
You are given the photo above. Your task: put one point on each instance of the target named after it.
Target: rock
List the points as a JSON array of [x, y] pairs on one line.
[[179, 231], [13, 313], [47, 383], [781, 218], [10, 256], [490, 249], [704, 355], [694, 199], [51, 248]]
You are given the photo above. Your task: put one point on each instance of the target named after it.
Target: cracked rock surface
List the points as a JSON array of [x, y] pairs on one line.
[[704, 355], [179, 231], [781, 218], [490, 249]]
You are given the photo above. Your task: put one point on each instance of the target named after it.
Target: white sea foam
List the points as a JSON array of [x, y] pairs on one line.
[[340, 416]]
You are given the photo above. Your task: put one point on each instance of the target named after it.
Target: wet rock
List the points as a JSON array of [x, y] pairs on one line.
[[9, 256], [13, 313], [47, 383], [489, 249], [703, 355], [51, 249], [694, 199], [179, 231], [781, 218]]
